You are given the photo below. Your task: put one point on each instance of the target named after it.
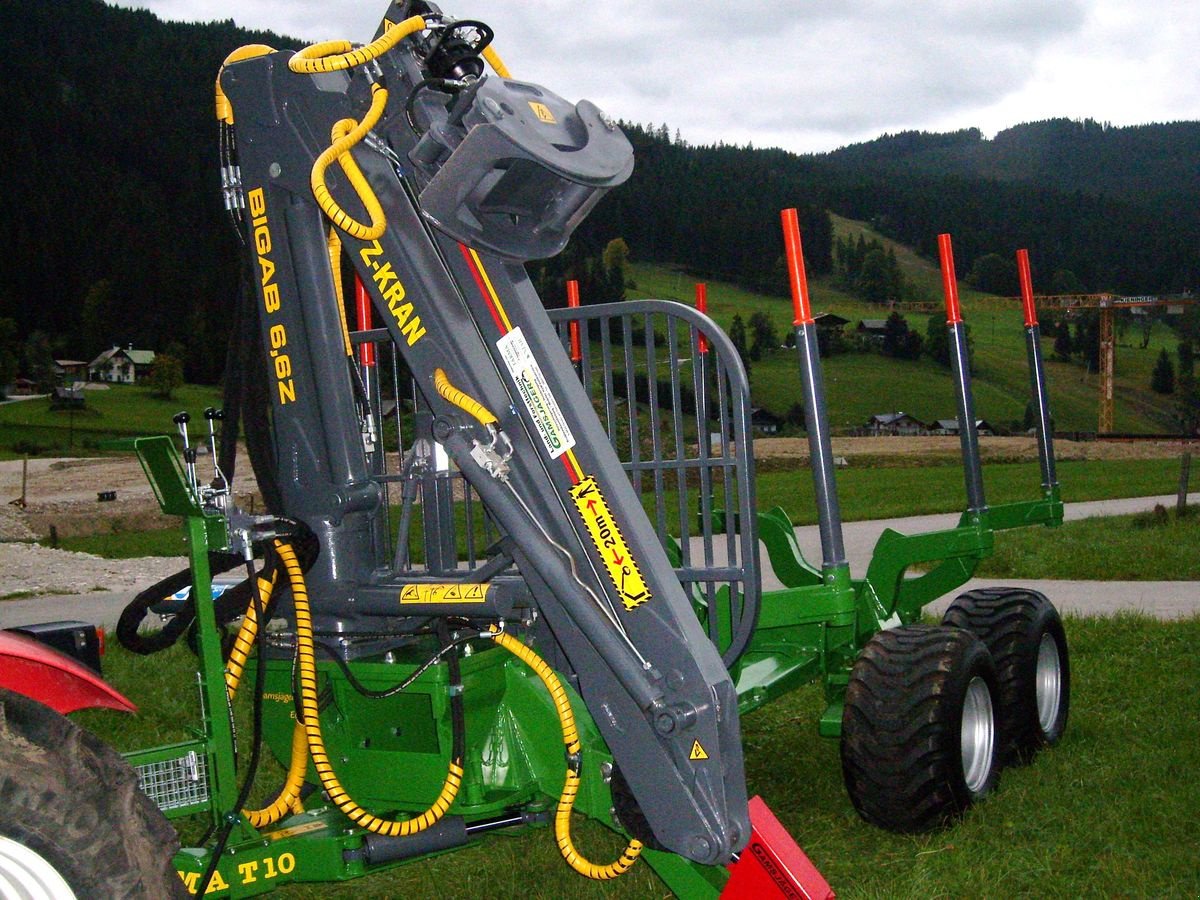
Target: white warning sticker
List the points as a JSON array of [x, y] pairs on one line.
[[535, 392]]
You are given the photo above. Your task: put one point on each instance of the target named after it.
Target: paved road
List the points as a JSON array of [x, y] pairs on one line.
[[1164, 599]]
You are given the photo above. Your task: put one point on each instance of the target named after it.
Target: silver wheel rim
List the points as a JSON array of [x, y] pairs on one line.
[[978, 735], [26, 875], [1048, 682]]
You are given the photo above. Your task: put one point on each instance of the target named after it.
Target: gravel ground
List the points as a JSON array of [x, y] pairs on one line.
[[63, 493], [29, 569]]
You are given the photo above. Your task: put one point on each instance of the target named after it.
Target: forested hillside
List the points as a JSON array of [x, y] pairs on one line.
[[112, 226], [114, 232], [1145, 165], [1117, 207]]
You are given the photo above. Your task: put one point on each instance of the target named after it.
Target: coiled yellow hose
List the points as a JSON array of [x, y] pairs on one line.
[[288, 800], [346, 134], [331, 56], [334, 245], [307, 739], [244, 642], [307, 665], [467, 404], [289, 795], [566, 801]]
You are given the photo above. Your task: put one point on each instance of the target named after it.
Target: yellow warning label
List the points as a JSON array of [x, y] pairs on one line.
[[306, 828], [443, 593], [543, 113], [607, 536], [698, 752]]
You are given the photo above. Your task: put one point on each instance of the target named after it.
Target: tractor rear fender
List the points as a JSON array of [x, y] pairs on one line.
[[43, 674]]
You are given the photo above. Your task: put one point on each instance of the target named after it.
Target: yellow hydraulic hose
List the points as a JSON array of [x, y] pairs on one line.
[[249, 51], [330, 56], [244, 642], [497, 64], [335, 264], [307, 665], [289, 796], [346, 134], [451, 394], [566, 801]]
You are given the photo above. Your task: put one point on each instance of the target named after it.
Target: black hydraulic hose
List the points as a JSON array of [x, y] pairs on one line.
[[226, 608], [135, 611], [245, 399], [458, 718], [232, 816], [232, 395], [447, 646], [410, 104]]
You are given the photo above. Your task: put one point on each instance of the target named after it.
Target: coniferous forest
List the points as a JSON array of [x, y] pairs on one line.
[[113, 228]]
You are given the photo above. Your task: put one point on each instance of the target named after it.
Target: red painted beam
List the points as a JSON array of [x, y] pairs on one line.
[[773, 865]]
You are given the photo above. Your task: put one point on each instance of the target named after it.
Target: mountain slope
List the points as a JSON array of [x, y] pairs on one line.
[[1147, 165]]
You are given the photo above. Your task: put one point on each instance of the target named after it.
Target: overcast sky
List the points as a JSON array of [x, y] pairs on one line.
[[812, 75]]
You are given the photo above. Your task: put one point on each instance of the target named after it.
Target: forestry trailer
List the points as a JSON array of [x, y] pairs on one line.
[[509, 569]]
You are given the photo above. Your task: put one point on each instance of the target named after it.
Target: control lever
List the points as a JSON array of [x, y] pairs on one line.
[[220, 485], [181, 420]]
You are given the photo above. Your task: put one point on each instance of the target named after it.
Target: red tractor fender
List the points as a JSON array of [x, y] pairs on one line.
[[41, 673]]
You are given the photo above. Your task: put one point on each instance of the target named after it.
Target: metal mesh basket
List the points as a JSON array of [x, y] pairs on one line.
[[174, 783]]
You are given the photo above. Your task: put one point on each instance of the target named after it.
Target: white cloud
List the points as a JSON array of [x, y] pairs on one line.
[[815, 74]]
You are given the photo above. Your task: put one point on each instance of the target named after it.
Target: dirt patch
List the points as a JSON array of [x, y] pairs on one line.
[[933, 449], [64, 493]]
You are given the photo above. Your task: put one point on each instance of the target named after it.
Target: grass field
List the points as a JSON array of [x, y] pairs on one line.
[[1128, 548], [865, 493], [121, 411], [859, 385], [1108, 812]]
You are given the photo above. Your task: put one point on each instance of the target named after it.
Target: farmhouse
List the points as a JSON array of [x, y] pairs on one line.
[[764, 421], [122, 365], [875, 329], [68, 371], [895, 423], [950, 426]]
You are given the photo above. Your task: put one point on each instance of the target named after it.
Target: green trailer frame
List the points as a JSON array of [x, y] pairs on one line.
[[811, 630]]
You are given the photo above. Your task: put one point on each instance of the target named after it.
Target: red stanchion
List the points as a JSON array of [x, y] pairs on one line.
[[362, 314], [949, 281], [1026, 277], [702, 306], [795, 263], [573, 302]]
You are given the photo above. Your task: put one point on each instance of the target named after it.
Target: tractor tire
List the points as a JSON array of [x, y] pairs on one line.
[[1024, 633], [918, 727], [74, 822]]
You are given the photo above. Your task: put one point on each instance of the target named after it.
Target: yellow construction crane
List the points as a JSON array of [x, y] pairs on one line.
[[1107, 304]]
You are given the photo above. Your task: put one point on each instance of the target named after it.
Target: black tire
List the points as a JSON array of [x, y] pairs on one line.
[[75, 803], [918, 730], [1024, 633]]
